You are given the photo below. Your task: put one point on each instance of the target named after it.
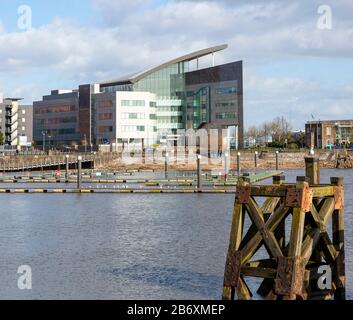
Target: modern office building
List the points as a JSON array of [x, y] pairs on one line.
[[147, 106], [55, 119], [189, 98], [321, 134], [16, 122], [124, 117]]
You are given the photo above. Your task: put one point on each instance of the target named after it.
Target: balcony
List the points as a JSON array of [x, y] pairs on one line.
[[169, 113]]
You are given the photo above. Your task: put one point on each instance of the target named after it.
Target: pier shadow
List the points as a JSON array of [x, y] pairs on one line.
[[188, 281]]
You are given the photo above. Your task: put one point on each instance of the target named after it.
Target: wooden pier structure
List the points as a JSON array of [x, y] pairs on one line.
[[291, 269], [344, 161]]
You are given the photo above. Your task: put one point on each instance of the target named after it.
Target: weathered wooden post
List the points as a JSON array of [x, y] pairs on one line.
[[198, 171], [166, 155], [292, 270], [143, 151], [277, 160], [312, 170], [339, 275], [79, 168], [255, 159]]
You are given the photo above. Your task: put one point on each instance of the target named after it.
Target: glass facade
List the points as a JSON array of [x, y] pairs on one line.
[[198, 106], [169, 86], [189, 98]]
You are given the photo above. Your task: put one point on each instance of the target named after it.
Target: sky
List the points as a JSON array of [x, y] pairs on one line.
[[298, 59]]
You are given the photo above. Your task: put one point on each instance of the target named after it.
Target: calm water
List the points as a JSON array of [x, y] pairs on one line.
[[116, 246]]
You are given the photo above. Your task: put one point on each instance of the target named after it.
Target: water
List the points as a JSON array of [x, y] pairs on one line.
[[125, 246]]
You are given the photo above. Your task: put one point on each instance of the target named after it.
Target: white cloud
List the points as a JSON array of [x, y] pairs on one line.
[[137, 34]]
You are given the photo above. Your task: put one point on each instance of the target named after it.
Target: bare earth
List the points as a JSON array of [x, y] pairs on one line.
[[294, 160]]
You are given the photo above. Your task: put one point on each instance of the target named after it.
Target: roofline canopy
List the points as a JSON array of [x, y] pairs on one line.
[[188, 57]]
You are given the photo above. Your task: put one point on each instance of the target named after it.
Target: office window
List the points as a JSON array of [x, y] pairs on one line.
[[23, 120], [153, 116], [132, 128], [23, 128], [226, 115], [23, 111], [226, 104], [127, 115], [0, 111], [132, 103], [105, 116], [106, 104], [153, 104], [227, 90], [328, 131], [105, 129]]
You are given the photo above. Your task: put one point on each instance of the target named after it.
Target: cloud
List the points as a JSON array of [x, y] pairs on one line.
[[136, 34]]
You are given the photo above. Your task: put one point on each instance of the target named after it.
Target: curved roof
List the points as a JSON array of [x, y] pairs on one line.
[[133, 78]]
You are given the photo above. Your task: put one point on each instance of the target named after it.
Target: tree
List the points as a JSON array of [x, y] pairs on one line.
[[252, 132], [1, 138], [280, 129]]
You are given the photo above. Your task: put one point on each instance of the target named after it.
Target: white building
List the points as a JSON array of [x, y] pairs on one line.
[[124, 117], [16, 123]]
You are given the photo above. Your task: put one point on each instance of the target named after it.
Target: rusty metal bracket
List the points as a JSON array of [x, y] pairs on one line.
[[243, 194], [299, 198], [290, 276], [339, 198], [233, 268]]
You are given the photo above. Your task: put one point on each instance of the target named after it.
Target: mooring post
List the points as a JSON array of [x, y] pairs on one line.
[[226, 155], [198, 171], [79, 168], [143, 151], [67, 168], [339, 273], [166, 155], [238, 164], [255, 159], [312, 170], [277, 160]]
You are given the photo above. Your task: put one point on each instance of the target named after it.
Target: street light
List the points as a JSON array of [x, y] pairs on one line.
[[49, 137], [238, 163], [85, 139], [43, 133]]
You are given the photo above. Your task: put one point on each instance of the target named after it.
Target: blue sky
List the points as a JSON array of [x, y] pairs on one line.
[[291, 67]]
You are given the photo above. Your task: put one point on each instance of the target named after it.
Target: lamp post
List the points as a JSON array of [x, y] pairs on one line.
[[238, 164], [79, 168], [43, 134], [49, 144], [226, 166], [85, 140]]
